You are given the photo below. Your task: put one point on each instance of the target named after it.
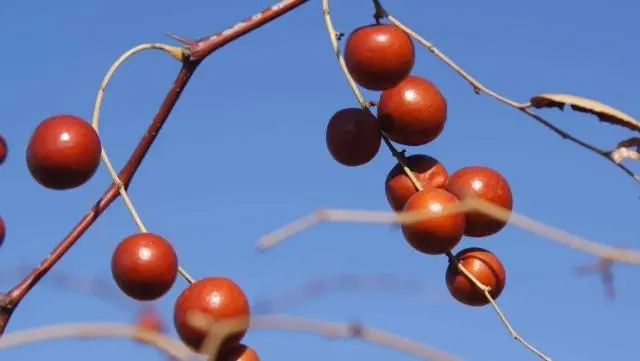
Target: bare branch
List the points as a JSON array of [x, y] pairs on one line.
[[158, 340], [195, 55], [331, 330]]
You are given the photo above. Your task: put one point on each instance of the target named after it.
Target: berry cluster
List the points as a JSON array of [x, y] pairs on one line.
[[63, 153], [412, 111]]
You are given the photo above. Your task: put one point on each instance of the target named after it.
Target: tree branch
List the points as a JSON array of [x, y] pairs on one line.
[[195, 54]]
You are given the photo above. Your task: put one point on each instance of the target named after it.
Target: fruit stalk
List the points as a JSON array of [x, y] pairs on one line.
[[195, 54]]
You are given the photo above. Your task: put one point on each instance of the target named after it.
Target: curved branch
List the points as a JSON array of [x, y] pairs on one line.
[[95, 120], [158, 340], [350, 330], [219, 329], [523, 107], [195, 53]]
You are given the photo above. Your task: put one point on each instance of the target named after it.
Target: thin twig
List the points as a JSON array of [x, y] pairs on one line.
[[354, 331], [158, 340], [625, 255], [95, 119], [316, 288], [222, 328], [523, 107], [194, 55]]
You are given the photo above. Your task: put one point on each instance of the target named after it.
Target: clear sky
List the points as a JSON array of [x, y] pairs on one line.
[[244, 153]]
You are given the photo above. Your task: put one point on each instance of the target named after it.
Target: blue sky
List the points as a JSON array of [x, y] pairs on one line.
[[244, 153]]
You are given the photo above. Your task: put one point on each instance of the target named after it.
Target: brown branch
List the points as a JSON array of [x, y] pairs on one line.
[[195, 53]]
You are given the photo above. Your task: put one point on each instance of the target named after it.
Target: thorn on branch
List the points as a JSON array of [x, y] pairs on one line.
[[182, 39], [380, 12], [339, 35]]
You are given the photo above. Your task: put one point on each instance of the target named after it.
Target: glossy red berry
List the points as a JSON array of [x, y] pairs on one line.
[[486, 184], [413, 112], [428, 171], [63, 152], [483, 266], [439, 233], [353, 137], [379, 56], [4, 150], [239, 352], [144, 266], [217, 297], [3, 231]]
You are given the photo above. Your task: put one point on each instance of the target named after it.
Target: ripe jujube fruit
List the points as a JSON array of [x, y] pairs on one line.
[[486, 184], [216, 297], [484, 266], [353, 137], [413, 112], [379, 56], [428, 171], [144, 266], [440, 232], [239, 352], [4, 150], [63, 152]]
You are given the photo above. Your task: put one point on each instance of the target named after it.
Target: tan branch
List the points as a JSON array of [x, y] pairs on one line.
[[158, 340], [332, 330]]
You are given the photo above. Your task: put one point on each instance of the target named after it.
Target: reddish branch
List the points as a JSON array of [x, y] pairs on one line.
[[196, 52]]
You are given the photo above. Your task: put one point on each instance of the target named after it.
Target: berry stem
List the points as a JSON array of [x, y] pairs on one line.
[[192, 56], [95, 121]]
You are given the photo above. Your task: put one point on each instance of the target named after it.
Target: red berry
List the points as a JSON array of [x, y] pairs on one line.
[[483, 266], [63, 152], [486, 184], [439, 233], [429, 172], [3, 231], [239, 352], [144, 266], [217, 297], [353, 137], [4, 150], [413, 112], [379, 56]]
